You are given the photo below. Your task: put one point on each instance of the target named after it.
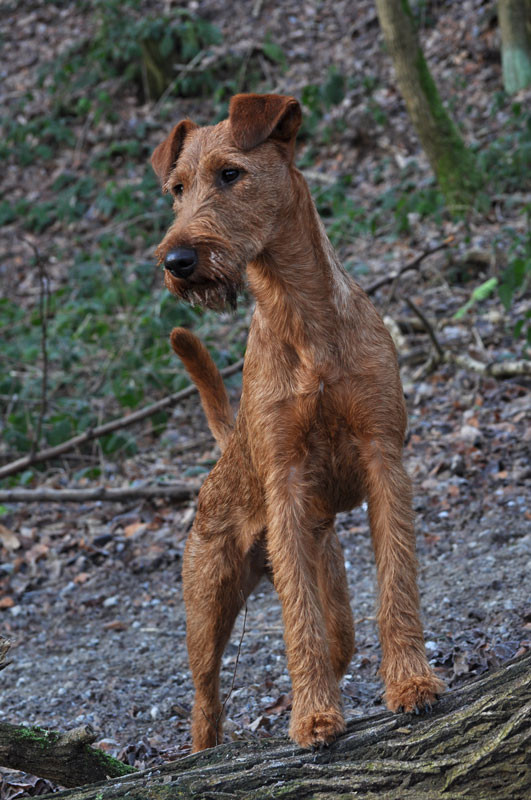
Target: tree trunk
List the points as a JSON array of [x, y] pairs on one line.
[[453, 164], [515, 26], [474, 746]]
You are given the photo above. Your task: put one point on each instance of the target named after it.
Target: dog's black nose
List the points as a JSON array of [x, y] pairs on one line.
[[181, 262]]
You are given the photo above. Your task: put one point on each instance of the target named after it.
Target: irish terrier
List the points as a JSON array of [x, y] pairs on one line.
[[320, 427]]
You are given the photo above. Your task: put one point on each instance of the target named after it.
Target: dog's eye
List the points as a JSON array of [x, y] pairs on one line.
[[230, 175], [178, 189]]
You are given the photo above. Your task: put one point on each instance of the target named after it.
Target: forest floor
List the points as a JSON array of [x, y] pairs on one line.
[[90, 595]]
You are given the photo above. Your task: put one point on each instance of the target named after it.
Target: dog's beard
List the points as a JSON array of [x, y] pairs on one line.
[[216, 295], [215, 284]]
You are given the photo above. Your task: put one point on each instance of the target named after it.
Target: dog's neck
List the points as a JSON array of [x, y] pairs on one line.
[[299, 284]]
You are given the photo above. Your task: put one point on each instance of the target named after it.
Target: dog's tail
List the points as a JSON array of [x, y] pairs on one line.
[[208, 380]]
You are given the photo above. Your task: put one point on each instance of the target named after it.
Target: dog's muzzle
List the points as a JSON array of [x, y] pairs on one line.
[[181, 262]]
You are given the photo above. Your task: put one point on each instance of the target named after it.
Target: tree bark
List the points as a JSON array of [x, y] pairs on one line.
[[515, 27], [453, 164], [474, 746]]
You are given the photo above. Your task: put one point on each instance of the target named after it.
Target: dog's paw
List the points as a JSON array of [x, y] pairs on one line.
[[318, 728], [414, 694]]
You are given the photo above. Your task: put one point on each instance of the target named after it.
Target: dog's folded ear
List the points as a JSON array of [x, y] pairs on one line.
[[256, 117], [166, 154]]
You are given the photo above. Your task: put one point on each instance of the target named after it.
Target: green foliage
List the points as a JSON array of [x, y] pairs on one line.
[[511, 284], [516, 278], [343, 219], [31, 141], [318, 99], [107, 337], [479, 294], [273, 51], [136, 47], [507, 160], [392, 214]]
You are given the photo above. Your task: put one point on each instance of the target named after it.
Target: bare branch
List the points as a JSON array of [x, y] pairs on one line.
[[412, 265], [177, 491], [108, 427]]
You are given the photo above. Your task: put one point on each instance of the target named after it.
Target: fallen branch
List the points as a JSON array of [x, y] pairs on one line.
[[496, 369], [5, 645], [65, 758], [412, 265], [108, 427], [475, 745], [175, 491]]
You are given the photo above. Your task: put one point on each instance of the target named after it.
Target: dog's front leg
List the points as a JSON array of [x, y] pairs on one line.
[[293, 546], [410, 683]]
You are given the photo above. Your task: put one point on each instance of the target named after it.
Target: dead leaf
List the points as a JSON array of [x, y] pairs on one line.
[[116, 625], [134, 529], [283, 703], [9, 540]]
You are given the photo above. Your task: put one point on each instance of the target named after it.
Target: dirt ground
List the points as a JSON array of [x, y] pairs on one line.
[[99, 625], [94, 606]]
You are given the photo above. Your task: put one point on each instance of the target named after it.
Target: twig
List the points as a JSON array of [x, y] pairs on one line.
[[215, 722], [177, 491], [428, 326], [257, 8], [108, 427], [235, 663], [412, 265], [44, 293], [192, 66], [237, 655], [5, 644]]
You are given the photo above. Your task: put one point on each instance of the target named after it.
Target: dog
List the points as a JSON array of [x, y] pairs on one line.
[[320, 427]]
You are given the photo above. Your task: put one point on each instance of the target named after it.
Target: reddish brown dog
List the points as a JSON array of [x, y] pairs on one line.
[[320, 427]]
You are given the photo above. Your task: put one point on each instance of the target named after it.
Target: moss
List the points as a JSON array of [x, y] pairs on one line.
[[111, 765], [38, 735], [455, 167]]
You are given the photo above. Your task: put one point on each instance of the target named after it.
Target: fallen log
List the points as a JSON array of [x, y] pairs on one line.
[[474, 746], [65, 758]]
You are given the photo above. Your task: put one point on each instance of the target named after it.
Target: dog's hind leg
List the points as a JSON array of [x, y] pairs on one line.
[[335, 601], [221, 566]]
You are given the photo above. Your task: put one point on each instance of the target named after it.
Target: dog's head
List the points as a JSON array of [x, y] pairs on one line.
[[231, 185]]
